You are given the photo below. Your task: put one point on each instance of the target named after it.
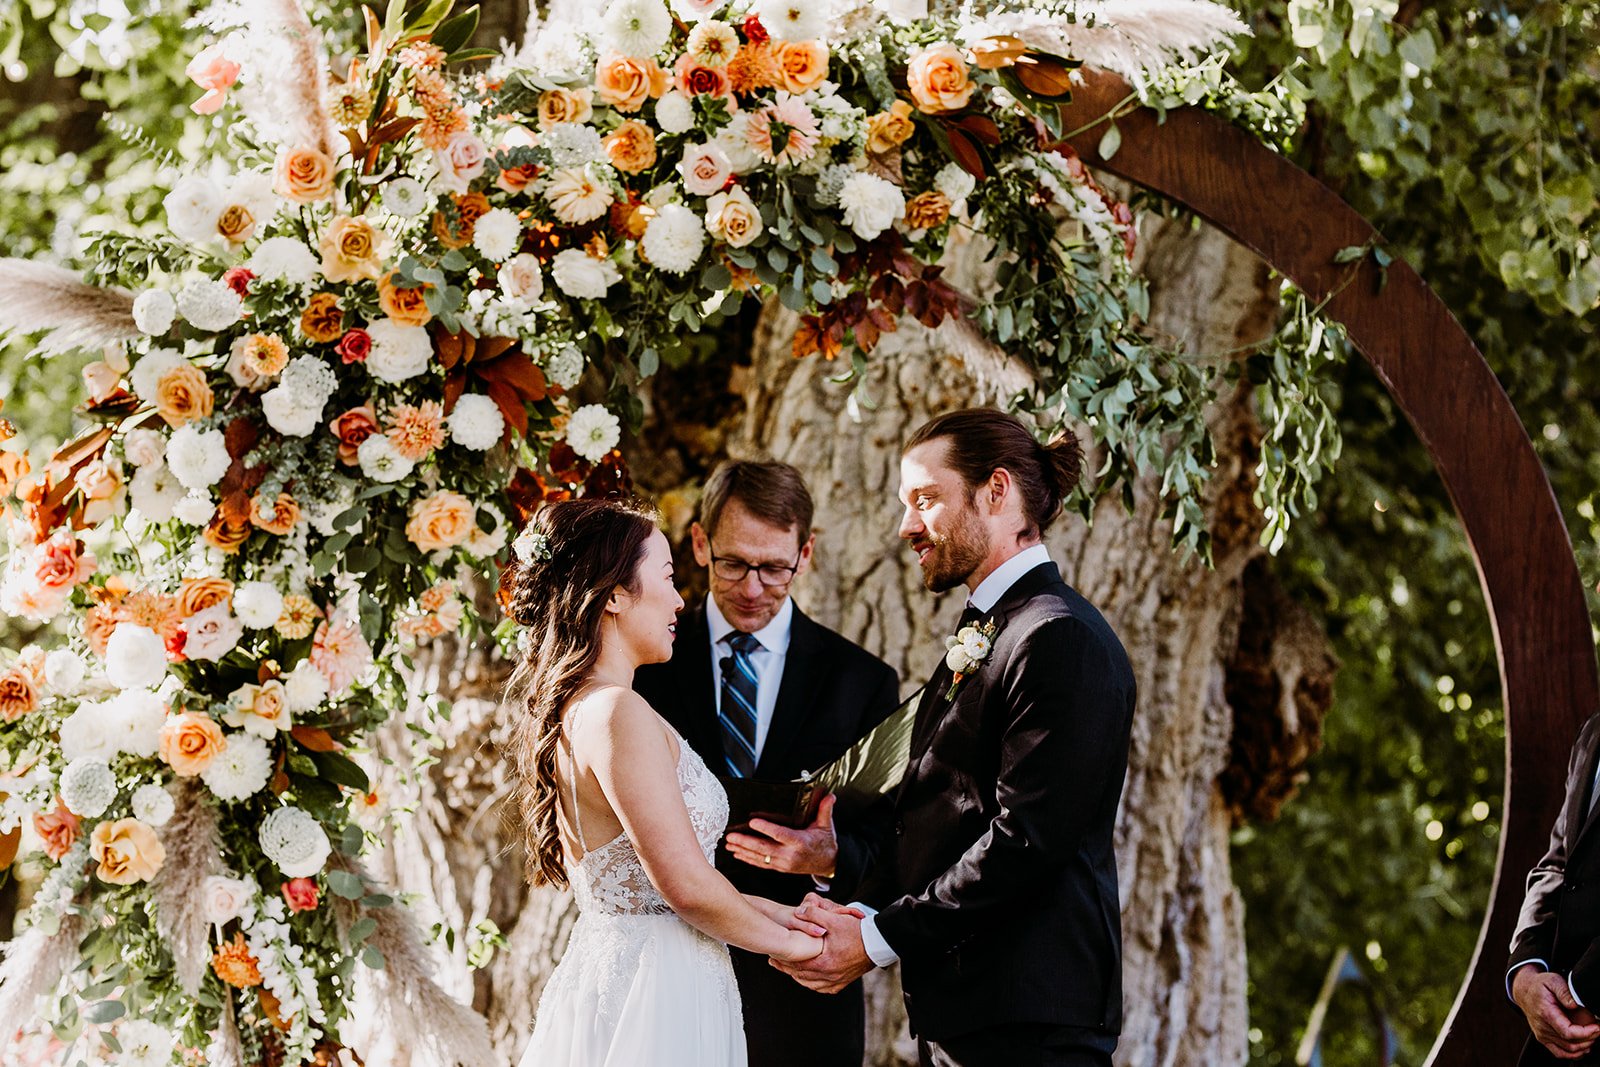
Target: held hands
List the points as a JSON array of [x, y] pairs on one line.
[[1558, 1024], [843, 958], [810, 850], [802, 939]]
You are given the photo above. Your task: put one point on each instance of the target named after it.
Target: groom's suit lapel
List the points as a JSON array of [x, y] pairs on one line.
[[1587, 814]]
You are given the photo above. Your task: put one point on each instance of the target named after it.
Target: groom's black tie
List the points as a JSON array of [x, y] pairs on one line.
[[738, 714]]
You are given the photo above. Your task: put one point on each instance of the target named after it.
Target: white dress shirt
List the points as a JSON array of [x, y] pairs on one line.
[[984, 598], [767, 660]]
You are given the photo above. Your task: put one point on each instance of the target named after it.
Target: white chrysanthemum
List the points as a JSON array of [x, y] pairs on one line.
[[143, 446], [674, 239], [155, 491], [580, 275], [565, 367], [144, 1044], [398, 352], [195, 509], [199, 458], [257, 604], [405, 197], [209, 305], [637, 27], [87, 787], [192, 208], [136, 657], [152, 804], [82, 735], [284, 259], [64, 671], [304, 688], [593, 431], [134, 718], [576, 194], [312, 379], [870, 204], [954, 181], [241, 769], [150, 368], [153, 311], [295, 842], [476, 422], [379, 460], [794, 20], [674, 113], [288, 413], [573, 144], [497, 233]]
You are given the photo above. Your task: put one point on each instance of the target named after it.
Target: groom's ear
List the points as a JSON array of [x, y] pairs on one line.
[[997, 490]]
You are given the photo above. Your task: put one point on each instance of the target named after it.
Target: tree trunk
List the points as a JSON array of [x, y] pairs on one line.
[[1233, 678]]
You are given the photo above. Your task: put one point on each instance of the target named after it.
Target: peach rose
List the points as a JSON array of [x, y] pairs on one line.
[[351, 428], [285, 513], [626, 83], [127, 850], [733, 218], [182, 395], [564, 105], [352, 249], [927, 210], [888, 130], [323, 319], [19, 694], [804, 64], [938, 79], [442, 520], [632, 147], [198, 594], [190, 741], [404, 304], [58, 830], [303, 175], [236, 224], [62, 561]]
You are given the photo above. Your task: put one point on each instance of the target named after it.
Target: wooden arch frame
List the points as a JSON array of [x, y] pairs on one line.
[[1469, 426]]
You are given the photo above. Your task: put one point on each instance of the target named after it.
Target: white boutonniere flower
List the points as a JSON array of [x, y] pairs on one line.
[[967, 651]]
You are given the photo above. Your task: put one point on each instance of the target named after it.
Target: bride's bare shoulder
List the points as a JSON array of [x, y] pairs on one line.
[[618, 714]]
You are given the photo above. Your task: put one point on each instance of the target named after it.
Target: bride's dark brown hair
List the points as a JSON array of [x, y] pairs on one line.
[[558, 594]]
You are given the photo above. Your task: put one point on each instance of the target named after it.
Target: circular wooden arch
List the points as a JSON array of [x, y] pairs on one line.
[[1458, 408]]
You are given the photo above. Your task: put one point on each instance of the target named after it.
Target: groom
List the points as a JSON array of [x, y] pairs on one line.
[[999, 897]]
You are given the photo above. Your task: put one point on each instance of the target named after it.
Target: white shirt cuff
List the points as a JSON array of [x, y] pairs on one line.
[[1574, 992], [878, 950], [1543, 966]]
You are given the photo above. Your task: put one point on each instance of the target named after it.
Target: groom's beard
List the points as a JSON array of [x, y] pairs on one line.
[[956, 554]]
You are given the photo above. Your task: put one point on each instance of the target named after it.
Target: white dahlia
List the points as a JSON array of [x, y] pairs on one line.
[[576, 194], [674, 239], [593, 431], [405, 197], [476, 422], [304, 688], [241, 769], [144, 1044], [497, 233], [637, 27]]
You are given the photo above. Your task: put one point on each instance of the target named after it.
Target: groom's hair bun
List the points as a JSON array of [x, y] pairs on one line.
[[980, 441]]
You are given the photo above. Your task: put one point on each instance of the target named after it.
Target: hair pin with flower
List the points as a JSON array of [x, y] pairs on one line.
[[531, 545]]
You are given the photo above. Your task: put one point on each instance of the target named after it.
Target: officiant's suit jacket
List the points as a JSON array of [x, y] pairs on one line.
[[1559, 924], [833, 692], [1001, 900]]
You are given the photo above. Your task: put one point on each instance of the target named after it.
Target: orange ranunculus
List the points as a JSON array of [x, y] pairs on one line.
[[303, 175], [631, 147], [804, 64], [236, 224], [404, 304], [182, 395], [323, 319], [127, 850], [626, 83], [285, 513], [938, 79], [190, 741], [442, 520], [197, 594]]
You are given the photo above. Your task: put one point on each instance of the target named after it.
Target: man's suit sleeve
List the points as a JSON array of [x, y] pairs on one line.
[[1534, 939], [1067, 699], [863, 837]]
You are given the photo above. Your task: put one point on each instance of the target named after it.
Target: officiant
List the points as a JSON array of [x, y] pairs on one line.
[[762, 692]]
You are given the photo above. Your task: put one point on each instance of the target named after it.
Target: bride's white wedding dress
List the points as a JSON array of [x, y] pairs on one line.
[[639, 986]]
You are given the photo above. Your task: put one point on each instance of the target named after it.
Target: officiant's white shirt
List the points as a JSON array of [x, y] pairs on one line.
[[767, 660], [984, 598]]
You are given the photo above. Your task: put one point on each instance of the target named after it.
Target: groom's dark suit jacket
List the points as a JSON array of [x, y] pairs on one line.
[[1560, 918], [832, 694], [1001, 896]]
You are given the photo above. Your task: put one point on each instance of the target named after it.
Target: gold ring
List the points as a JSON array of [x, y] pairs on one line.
[[767, 860]]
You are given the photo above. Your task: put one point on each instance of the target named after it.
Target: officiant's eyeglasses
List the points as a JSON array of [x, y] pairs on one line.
[[732, 569]]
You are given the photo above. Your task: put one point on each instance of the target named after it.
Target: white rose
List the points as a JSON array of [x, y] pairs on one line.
[[136, 657], [705, 169], [870, 204], [64, 671], [304, 688], [486, 543], [257, 604], [958, 659], [134, 719], [520, 279], [580, 275], [198, 458], [142, 446], [398, 352], [288, 413], [674, 113], [954, 181], [476, 422], [153, 312], [224, 899], [192, 208]]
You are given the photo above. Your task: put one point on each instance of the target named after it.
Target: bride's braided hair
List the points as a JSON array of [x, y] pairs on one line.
[[566, 565]]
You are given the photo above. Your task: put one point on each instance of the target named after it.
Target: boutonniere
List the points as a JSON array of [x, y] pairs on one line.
[[967, 651]]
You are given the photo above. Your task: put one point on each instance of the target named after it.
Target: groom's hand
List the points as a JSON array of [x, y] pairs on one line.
[[1551, 1010], [812, 850], [844, 958]]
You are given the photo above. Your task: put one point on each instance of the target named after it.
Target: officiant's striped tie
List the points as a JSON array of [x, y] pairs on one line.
[[738, 713]]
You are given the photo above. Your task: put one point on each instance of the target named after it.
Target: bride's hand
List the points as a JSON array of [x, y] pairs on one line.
[[784, 915], [798, 947]]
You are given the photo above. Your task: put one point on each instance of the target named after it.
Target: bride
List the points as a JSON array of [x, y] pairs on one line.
[[618, 807]]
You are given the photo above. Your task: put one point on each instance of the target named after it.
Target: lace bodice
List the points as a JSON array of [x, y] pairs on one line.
[[609, 879]]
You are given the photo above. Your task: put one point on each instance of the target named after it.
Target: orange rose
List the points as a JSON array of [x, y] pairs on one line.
[[804, 64], [198, 594], [352, 249], [303, 175], [127, 850], [927, 210], [632, 147], [18, 694], [58, 830], [404, 304], [351, 428], [458, 234], [938, 79], [888, 130], [182, 395], [323, 319], [626, 83], [442, 520], [225, 532], [236, 224], [285, 513], [190, 741], [564, 105]]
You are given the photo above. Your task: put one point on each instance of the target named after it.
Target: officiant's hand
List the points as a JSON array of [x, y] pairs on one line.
[[843, 959], [812, 850]]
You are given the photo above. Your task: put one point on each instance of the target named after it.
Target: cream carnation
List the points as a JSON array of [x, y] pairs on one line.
[[241, 769], [674, 113], [295, 841], [593, 431], [674, 239], [580, 275], [497, 233], [155, 491], [150, 368], [380, 461], [64, 671], [398, 352], [153, 311], [289, 413], [870, 204], [136, 657], [257, 604], [87, 787], [637, 27], [198, 458], [476, 422], [304, 688], [152, 804], [284, 259], [209, 305]]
